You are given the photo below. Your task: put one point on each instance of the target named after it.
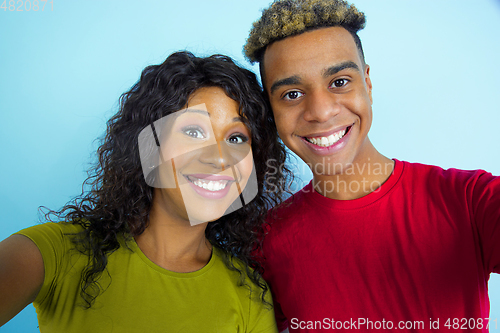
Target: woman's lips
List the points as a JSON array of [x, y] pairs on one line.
[[215, 177], [210, 186]]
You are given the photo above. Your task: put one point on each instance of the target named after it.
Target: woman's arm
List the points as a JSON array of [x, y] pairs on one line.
[[21, 275]]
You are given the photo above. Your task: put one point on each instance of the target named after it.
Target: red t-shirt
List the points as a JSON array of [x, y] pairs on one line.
[[418, 250]]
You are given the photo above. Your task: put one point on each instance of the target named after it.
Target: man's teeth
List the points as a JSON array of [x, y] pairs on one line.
[[211, 185], [326, 141]]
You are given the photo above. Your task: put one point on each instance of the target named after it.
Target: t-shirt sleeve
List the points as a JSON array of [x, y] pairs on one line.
[[485, 205], [51, 240], [262, 316]]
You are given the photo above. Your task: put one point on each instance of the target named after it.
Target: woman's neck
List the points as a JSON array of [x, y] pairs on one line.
[[173, 243]]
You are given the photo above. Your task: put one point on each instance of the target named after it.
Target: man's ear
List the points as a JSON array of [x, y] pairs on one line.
[[368, 82]]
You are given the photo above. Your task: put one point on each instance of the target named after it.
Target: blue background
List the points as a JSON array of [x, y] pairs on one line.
[[433, 63]]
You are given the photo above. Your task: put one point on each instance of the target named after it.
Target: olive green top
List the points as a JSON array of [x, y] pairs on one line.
[[139, 295]]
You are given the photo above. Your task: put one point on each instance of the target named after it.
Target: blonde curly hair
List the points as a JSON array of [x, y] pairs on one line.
[[285, 18]]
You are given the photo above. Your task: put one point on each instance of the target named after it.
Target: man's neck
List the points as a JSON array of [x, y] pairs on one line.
[[357, 179]]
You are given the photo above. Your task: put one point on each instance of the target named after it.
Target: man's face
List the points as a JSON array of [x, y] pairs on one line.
[[320, 93]]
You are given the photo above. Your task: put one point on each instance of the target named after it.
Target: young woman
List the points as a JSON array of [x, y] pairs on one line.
[[164, 239]]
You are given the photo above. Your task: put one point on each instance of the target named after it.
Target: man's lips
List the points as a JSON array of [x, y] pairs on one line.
[[329, 138]]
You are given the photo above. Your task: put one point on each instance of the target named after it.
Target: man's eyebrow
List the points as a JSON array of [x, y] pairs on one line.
[[340, 67], [285, 82], [328, 72]]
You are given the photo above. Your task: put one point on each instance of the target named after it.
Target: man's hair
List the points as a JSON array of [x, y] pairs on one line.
[[285, 18]]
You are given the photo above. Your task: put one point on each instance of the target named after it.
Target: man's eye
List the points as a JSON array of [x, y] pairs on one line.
[[293, 95], [194, 132], [339, 83], [237, 139]]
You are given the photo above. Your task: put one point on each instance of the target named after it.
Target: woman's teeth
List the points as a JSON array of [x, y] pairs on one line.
[[326, 141], [210, 185]]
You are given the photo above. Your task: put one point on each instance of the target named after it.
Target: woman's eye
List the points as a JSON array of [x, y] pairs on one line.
[[195, 132], [339, 83], [237, 139], [292, 95]]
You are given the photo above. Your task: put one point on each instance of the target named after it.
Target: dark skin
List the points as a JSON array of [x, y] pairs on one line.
[[21, 273], [320, 90], [170, 240]]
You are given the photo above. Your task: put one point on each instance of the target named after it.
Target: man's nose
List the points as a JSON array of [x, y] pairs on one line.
[[321, 106]]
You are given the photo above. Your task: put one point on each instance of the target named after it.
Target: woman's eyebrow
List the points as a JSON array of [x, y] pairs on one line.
[[203, 112]]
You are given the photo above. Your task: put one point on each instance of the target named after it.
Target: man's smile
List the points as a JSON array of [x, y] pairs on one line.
[[328, 140]]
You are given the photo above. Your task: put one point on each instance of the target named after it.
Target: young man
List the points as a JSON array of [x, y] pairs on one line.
[[371, 243]]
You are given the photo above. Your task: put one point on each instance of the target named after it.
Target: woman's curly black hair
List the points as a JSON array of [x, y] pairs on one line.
[[118, 201]]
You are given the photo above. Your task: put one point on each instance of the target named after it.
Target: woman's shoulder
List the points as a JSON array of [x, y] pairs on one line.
[[55, 240], [55, 243], [52, 232], [62, 226]]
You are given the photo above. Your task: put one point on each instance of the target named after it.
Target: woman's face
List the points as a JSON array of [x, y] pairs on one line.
[[207, 158]]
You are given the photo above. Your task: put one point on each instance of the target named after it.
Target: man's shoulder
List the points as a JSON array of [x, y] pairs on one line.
[[419, 170]]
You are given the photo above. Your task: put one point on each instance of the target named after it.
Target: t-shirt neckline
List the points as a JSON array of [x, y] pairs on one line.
[[136, 249], [366, 200]]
